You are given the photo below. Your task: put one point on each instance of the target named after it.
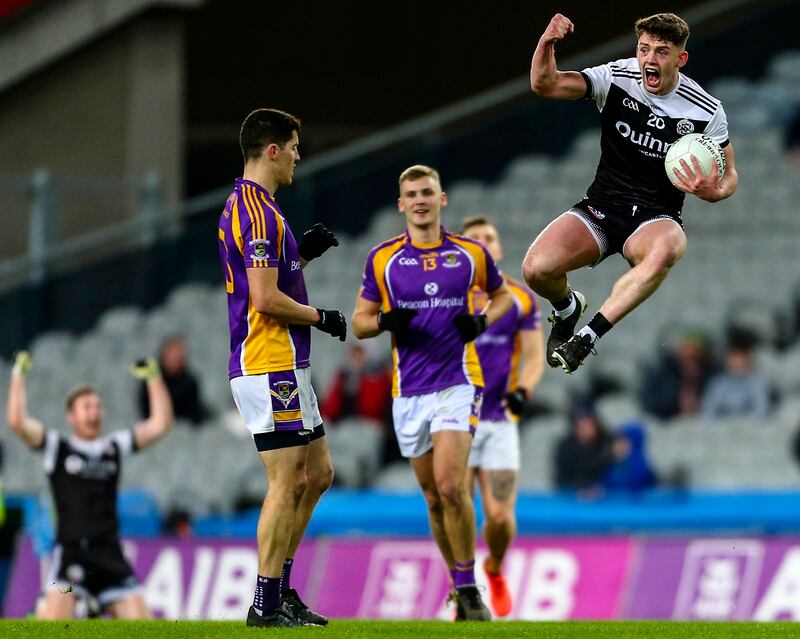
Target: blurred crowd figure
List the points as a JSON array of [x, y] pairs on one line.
[[674, 384], [739, 390], [592, 460], [182, 384], [687, 379], [362, 388]]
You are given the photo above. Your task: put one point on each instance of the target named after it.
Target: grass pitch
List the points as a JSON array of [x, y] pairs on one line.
[[395, 630]]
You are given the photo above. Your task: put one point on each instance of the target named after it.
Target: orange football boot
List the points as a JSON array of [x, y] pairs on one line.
[[499, 594]]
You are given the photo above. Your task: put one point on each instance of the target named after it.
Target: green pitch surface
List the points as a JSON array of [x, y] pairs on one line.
[[392, 630]]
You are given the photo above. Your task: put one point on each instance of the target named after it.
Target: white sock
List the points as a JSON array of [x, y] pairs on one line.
[[588, 331], [569, 310]]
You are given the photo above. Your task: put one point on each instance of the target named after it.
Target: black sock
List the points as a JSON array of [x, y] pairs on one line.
[[563, 305], [268, 594], [600, 325], [286, 575]]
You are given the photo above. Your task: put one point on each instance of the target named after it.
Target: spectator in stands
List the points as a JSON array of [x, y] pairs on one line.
[[178, 523], [362, 388], [585, 454], [181, 382], [740, 390], [674, 384], [632, 471]]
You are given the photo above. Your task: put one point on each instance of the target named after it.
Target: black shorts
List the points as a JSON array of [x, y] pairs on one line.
[[286, 438], [94, 568], [611, 227]]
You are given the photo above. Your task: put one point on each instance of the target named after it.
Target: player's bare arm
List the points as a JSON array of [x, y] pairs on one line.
[[161, 417], [269, 300], [27, 428], [500, 302], [546, 79], [532, 358], [365, 318], [709, 187]]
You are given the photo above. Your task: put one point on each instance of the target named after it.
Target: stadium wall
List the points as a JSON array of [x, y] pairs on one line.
[[727, 578], [111, 111]]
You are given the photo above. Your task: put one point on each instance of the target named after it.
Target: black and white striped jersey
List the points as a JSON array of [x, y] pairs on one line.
[[83, 477], [637, 129]]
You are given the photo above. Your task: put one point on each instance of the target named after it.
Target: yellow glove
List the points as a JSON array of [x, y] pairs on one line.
[[146, 369], [22, 363]]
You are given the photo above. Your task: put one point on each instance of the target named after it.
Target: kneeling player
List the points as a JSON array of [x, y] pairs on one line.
[[84, 471]]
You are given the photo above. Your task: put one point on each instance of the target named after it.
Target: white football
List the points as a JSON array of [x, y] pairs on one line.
[[707, 152]]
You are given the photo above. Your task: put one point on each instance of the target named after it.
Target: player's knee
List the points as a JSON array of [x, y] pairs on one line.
[[664, 257], [433, 500], [298, 487], [320, 480], [500, 516], [537, 268], [451, 491]]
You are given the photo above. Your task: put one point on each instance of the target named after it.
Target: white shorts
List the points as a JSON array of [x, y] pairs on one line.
[[418, 416], [281, 401], [496, 446]]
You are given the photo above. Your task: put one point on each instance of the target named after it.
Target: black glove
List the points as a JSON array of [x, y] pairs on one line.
[[515, 401], [315, 242], [333, 323], [470, 326], [397, 320]]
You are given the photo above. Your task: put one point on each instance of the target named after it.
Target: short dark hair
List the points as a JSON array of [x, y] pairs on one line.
[[76, 392], [475, 220], [264, 127], [666, 26]]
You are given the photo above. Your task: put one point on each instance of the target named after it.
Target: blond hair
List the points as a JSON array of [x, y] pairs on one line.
[[419, 171], [667, 26]]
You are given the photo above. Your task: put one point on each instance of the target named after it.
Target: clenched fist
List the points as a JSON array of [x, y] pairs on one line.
[[559, 27]]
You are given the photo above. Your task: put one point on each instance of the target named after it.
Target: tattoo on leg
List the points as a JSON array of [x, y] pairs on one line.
[[502, 484]]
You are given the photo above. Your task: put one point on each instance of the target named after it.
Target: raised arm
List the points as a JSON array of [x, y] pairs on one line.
[[546, 79], [27, 428], [161, 417]]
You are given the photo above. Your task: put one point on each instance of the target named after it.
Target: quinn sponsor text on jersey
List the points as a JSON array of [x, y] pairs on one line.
[[638, 128], [500, 346], [254, 234], [436, 280]]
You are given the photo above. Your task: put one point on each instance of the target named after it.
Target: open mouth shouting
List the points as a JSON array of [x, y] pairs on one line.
[[652, 77]]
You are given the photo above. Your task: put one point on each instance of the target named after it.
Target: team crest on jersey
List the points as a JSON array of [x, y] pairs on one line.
[[284, 393], [451, 259], [259, 249], [685, 127]]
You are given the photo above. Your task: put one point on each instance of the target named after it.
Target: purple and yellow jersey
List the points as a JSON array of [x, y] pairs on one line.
[[499, 347], [435, 279], [254, 234]]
